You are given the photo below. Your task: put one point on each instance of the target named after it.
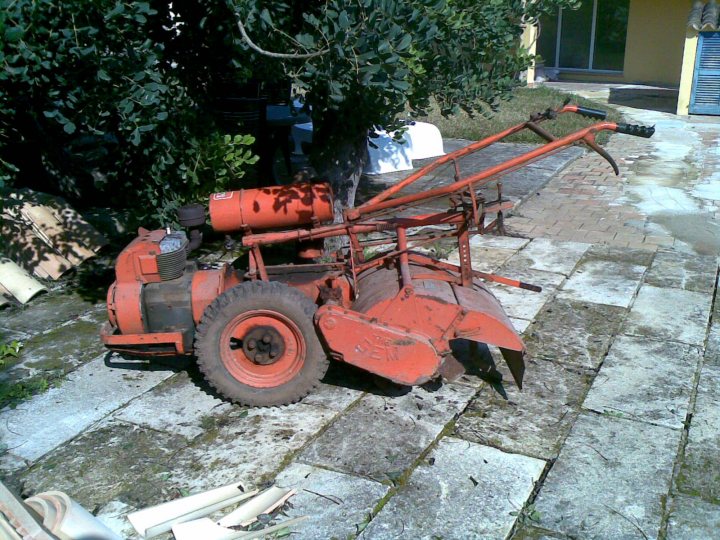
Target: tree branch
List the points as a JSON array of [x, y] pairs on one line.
[[250, 43]]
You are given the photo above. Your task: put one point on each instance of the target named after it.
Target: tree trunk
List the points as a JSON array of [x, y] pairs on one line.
[[339, 156]]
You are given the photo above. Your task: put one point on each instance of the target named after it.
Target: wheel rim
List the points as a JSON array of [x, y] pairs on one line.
[[256, 365]]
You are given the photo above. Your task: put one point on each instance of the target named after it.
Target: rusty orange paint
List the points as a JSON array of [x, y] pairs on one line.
[[399, 354], [125, 342], [272, 207], [127, 305], [206, 286]]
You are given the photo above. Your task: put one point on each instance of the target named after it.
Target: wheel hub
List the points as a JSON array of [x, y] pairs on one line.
[[263, 345]]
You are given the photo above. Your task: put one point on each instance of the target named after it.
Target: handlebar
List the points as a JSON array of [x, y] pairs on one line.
[[591, 113], [636, 130]]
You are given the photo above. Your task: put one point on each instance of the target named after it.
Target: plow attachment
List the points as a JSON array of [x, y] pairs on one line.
[[404, 333]]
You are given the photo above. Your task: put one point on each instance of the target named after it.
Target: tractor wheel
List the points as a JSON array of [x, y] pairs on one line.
[[256, 344]]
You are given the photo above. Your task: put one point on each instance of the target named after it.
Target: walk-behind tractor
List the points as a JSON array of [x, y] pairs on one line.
[[264, 334]]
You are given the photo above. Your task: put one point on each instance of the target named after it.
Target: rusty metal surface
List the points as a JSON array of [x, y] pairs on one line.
[[399, 354], [271, 207]]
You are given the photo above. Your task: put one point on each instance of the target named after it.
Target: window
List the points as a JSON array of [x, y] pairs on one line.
[[591, 38]]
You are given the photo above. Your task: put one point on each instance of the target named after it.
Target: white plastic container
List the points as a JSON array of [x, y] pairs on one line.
[[424, 141], [387, 155]]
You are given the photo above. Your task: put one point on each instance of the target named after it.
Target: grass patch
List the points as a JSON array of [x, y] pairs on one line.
[[14, 393], [522, 103]]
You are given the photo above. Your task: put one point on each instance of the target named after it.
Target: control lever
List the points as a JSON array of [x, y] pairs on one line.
[[592, 113], [636, 130]]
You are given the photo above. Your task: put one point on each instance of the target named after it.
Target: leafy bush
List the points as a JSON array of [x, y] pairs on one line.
[[92, 102]]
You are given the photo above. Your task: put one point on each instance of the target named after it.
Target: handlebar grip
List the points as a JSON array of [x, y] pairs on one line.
[[637, 131], [592, 113]]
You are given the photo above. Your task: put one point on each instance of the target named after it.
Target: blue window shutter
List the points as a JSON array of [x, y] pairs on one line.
[[705, 97]]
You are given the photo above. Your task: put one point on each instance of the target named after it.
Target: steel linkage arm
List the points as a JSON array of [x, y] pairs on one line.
[[483, 176]]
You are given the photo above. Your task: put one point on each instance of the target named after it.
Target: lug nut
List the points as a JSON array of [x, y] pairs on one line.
[[252, 344], [266, 338], [273, 354]]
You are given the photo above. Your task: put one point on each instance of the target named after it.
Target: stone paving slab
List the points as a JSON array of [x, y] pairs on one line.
[[47, 312], [712, 349], [574, 333], [408, 424], [699, 473], [176, 406], [469, 491], [550, 256], [610, 480], [337, 505], [520, 303], [604, 252], [247, 445], [113, 461], [533, 421], [497, 241], [693, 519], [334, 396], [671, 314], [484, 259], [646, 380], [603, 282], [520, 325], [687, 271], [87, 395], [53, 354]]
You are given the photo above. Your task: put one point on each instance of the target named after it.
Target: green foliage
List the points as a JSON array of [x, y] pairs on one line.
[[114, 98], [10, 350], [378, 57], [11, 394], [92, 91]]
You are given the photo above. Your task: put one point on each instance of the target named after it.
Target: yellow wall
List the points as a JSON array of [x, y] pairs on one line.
[[688, 70], [529, 43], [655, 41]]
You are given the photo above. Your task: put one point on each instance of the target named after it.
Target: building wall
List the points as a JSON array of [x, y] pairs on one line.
[[655, 41]]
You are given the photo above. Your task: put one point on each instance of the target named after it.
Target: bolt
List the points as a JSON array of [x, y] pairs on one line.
[[266, 338], [252, 344], [273, 353]]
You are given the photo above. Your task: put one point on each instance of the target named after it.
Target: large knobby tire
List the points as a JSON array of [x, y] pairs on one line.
[[256, 344]]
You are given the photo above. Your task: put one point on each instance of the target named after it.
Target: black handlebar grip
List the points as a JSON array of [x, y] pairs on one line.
[[637, 131], [592, 113]]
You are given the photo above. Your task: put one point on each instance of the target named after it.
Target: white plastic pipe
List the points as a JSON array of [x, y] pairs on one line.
[[206, 529], [72, 521], [159, 519], [18, 282], [7, 531], [264, 503], [45, 509]]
